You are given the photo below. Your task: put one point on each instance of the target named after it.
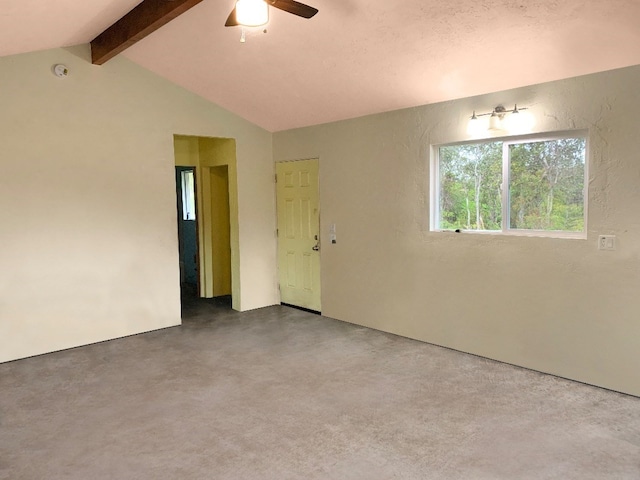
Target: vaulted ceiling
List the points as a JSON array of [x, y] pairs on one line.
[[355, 57]]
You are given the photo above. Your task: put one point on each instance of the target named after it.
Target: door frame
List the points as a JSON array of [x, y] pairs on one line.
[[202, 153]]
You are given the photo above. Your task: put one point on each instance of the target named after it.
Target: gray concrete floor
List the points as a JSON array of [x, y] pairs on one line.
[[281, 394]]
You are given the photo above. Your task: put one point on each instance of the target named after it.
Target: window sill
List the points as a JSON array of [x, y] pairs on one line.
[[521, 233]]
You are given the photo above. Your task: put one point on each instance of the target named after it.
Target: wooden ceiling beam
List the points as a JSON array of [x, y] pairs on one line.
[[144, 19]]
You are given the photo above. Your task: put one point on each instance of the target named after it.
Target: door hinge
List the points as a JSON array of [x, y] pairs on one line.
[[276, 178]]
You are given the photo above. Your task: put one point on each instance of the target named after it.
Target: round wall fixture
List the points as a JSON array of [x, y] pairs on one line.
[[60, 70]]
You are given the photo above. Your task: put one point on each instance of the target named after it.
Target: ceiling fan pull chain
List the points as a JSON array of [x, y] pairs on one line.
[[243, 36]]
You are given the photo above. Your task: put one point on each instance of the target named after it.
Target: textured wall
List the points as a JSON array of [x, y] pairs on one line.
[[555, 305], [88, 208]]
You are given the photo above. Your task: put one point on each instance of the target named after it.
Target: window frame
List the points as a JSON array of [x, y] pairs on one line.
[[434, 220], [188, 191]]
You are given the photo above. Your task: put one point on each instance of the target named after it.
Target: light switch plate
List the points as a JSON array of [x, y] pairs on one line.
[[607, 242]]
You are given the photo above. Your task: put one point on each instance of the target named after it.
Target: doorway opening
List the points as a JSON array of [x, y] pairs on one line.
[[208, 242], [220, 231], [187, 231]]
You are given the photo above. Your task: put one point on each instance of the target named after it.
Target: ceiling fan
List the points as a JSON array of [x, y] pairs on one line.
[[253, 13]]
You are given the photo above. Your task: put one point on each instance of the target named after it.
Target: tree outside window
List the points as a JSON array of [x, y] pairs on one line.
[[544, 179]]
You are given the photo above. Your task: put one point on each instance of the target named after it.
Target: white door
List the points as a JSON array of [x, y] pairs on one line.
[[299, 233]]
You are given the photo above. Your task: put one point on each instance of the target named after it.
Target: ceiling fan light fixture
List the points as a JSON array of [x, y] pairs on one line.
[[252, 13]]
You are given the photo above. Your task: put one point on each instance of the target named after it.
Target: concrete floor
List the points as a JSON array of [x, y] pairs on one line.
[[281, 394]]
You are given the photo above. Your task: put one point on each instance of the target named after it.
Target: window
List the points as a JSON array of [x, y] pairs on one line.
[[188, 195], [525, 185]]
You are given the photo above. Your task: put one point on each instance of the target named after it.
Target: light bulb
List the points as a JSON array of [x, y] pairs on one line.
[[495, 122], [520, 122], [474, 127], [252, 13]]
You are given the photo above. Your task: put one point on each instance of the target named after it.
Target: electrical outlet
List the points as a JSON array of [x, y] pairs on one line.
[[607, 242]]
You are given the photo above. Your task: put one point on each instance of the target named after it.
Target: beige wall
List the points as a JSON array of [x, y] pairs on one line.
[[554, 305], [88, 236]]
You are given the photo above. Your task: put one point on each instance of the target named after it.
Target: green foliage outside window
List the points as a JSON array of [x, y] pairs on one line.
[[545, 191]]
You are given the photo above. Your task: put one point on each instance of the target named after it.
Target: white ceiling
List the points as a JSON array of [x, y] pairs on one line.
[[355, 57]]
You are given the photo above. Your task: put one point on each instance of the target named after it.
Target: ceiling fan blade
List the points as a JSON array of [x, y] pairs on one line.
[[232, 21], [291, 6]]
